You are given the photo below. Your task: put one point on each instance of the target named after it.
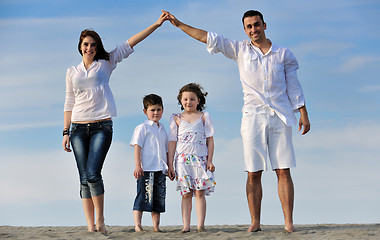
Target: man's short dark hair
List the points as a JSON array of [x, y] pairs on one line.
[[152, 99], [251, 13]]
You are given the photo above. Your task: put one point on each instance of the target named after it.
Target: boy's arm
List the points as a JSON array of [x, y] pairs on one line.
[[171, 152], [135, 39], [210, 153], [138, 168], [198, 34]]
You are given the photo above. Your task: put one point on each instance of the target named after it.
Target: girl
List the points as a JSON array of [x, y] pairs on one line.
[[89, 107], [191, 147]]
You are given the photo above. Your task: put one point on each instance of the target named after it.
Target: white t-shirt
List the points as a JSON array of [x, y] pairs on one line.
[[88, 94], [153, 141]]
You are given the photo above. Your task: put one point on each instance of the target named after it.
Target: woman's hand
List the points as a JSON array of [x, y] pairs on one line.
[[66, 143]]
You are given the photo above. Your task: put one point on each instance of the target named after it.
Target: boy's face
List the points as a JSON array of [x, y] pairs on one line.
[[154, 113]]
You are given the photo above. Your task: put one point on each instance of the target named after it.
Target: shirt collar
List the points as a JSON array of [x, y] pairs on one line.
[[274, 48], [152, 123]]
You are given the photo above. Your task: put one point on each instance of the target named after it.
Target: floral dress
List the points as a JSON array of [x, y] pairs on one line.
[[190, 159]]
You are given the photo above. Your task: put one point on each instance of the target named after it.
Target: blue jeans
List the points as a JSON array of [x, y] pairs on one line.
[[90, 143], [151, 192]]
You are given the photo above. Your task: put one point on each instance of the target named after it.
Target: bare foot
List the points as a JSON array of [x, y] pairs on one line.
[[138, 228], [287, 230], [91, 229], [254, 229], [185, 230], [101, 227]]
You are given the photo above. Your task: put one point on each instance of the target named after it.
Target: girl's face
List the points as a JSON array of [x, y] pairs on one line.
[[189, 101], [88, 48]]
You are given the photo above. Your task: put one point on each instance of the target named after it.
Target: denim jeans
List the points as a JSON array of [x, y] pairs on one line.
[[151, 192], [90, 143]]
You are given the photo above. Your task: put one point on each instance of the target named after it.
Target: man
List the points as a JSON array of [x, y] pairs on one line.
[[272, 93]]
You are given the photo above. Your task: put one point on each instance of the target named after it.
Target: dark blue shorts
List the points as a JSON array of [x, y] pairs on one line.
[[151, 192]]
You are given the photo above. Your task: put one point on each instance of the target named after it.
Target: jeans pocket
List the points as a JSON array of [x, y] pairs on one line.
[[107, 125], [74, 127]]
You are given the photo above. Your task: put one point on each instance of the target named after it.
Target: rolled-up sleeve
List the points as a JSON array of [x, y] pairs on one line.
[[293, 85], [119, 53], [216, 44], [69, 99]]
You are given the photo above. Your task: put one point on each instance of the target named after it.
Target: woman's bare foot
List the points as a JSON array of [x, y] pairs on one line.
[[91, 228]]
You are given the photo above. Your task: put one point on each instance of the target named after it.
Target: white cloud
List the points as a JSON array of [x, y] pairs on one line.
[[322, 154], [369, 88], [322, 47], [358, 62]]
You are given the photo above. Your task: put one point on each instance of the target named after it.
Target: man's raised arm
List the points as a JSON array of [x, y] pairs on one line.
[[198, 34]]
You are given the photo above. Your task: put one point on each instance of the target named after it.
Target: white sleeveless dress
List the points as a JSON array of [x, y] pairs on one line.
[[190, 159]]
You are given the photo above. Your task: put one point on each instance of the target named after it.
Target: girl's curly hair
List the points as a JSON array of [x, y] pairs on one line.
[[198, 90]]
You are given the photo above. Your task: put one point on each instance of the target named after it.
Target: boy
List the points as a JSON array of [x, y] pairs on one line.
[[150, 142]]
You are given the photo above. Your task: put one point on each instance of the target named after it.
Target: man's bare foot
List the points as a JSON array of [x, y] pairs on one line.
[[287, 230], [254, 229]]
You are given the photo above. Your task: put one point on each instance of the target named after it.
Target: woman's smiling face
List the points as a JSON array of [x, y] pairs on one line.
[[88, 48]]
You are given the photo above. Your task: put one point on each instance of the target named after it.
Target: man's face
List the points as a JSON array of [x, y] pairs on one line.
[[254, 28]]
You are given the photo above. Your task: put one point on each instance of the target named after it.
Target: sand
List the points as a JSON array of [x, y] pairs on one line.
[[309, 232]]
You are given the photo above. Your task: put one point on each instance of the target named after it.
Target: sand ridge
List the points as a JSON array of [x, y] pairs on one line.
[[319, 231]]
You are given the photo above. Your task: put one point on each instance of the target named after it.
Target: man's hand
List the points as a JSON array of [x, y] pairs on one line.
[[171, 18], [304, 121]]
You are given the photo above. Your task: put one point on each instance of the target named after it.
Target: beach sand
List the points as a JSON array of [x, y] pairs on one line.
[[320, 231]]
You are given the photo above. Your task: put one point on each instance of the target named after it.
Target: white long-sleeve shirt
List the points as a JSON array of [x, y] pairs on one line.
[[270, 82], [88, 94]]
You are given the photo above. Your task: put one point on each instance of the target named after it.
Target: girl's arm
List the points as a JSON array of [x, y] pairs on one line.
[[138, 168], [66, 125], [134, 40], [210, 153], [171, 152]]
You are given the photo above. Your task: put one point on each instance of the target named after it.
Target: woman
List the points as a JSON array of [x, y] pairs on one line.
[[89, 108]]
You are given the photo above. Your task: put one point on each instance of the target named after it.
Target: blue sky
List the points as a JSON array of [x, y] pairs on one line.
[[335, 42]]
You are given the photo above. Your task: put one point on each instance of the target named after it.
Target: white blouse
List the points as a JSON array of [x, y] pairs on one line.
[[88, 95]]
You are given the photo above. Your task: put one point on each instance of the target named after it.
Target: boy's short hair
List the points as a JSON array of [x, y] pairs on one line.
[[152, 99]]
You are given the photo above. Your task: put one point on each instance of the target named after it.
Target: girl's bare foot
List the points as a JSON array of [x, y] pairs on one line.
[[101, 227]]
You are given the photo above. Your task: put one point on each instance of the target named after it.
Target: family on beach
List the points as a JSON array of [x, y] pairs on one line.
[[272, 95]]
